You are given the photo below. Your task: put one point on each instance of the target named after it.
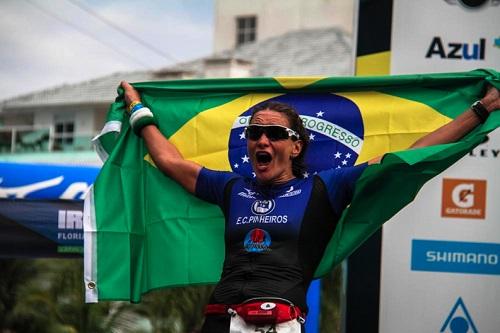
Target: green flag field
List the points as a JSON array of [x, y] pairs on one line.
[[144, 232]]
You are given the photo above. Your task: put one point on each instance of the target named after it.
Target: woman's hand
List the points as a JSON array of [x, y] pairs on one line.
[[491, 99], [131, 94], [165, 155], [462, 124]]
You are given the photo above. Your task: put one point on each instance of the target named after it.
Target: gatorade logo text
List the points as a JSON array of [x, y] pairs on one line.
[[464, 198]]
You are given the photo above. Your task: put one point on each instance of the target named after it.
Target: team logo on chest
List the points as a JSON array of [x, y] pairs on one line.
[[263, 207], [257, 240]]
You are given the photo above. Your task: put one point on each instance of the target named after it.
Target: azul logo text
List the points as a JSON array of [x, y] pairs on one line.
[[453, 50]]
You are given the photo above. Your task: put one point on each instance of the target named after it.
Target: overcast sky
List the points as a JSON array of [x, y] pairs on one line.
[[45, 43]]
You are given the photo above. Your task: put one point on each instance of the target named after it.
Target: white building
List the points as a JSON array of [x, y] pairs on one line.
[[242, 21], [252, 38]]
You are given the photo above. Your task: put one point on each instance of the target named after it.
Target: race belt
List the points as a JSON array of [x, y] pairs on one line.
[[256, 311]]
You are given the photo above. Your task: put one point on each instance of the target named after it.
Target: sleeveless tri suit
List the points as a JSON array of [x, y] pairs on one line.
[[275, 236]]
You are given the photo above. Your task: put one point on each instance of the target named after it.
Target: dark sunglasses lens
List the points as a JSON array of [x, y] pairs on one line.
[[273, 133], [253, 133]]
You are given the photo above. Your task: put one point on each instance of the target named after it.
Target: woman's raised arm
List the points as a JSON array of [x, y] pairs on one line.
[[461, 125], [165, 155]]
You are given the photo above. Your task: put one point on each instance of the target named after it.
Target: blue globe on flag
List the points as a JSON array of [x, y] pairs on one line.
[[334, 126]]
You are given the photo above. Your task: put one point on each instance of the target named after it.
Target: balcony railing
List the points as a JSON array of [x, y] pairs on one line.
[[21, 139]]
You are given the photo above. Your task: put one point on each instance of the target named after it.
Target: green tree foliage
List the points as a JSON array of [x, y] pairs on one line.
[[47, 295], [23, 307], [177, 309]]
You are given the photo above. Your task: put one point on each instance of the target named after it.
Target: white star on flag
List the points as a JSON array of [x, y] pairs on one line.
[[348, 155], [245, 159], [305, 174], [311, 137], [338, 167], [320, 114], [242, 135], [253, 174], [338, 154], [344, 162], [236, 165]]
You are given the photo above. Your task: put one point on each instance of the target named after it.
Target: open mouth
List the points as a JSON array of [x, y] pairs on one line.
[[263, 157]]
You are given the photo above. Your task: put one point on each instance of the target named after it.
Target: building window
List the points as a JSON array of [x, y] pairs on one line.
[[64, 128], [246, 29]]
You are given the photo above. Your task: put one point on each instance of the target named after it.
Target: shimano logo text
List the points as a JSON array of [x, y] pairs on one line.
[[455, 257], [462, 257]]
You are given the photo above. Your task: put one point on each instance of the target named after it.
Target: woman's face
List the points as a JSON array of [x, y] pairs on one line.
[[272, 160]]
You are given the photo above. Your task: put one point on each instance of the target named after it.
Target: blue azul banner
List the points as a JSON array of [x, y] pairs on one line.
[[455, 257], [42, 181]]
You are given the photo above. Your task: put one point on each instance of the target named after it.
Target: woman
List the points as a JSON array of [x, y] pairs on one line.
[[278, 225]]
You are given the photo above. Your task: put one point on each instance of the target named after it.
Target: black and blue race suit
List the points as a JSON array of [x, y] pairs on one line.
[[275, 236]]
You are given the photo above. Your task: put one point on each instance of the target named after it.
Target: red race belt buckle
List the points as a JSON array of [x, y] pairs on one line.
[[267, 312], [259, 312]]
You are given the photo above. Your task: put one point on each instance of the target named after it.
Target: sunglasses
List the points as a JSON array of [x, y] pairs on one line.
[[273, 132]]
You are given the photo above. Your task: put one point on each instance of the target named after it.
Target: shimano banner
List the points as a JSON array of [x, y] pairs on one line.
[[441, 256]]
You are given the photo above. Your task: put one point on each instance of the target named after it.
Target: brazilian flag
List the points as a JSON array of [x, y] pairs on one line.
[[143, 231]]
